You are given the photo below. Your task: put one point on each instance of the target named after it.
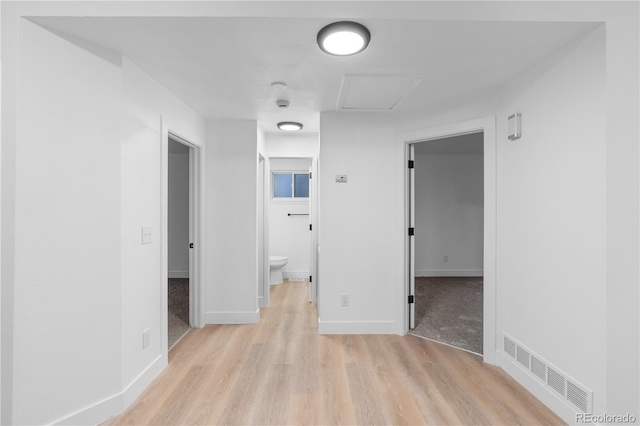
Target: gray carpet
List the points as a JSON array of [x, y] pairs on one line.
[[449, 310], [178, 296]]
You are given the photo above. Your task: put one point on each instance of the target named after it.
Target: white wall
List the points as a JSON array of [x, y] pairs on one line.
[[296, 145], [67, 311], [79, 317], [149, 111], [449, 211], [357, 230], [289, 235], [231, 199], [178, 219]]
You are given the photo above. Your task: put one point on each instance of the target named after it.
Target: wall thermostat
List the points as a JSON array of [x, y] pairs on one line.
[[341, 178]]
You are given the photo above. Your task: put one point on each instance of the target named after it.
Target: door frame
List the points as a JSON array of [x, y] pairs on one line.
[[404, 141], [196, 232], [263, 276]]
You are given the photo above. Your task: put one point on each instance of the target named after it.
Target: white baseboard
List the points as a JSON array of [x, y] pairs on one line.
[[178, 274], [540, 391], [144, 379], [448, 272], [232, 317], [262, 302], [116, 404], [301, 273], [356, 327]]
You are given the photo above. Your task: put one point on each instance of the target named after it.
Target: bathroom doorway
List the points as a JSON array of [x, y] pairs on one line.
[[289, 234]]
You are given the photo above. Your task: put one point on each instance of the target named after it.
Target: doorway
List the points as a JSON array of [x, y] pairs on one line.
[[448, 209], [181, 236], [178, 251], [290, 197], [405, 144]]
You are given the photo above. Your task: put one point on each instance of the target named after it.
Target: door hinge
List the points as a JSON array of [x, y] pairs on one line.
[[190, 245], [411, 164], [310, 279], [412, 231], [411, 299], [310, 227], [310, 175]]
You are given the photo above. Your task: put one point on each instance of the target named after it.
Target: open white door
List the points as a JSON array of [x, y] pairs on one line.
[[412, 240], [313, 187]]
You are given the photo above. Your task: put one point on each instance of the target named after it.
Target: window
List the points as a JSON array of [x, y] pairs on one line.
[[290, 185]]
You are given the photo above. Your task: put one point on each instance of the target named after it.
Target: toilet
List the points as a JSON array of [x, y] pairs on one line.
[[276, 263]]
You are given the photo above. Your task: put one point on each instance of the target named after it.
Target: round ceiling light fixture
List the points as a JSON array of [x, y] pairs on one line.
[[344, 38], [289, 126]]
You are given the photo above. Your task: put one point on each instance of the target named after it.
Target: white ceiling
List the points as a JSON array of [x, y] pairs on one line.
[[223, 67]]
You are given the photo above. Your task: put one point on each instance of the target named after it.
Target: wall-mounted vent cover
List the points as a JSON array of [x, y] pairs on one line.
[[570, 390], [373, 92], [556, 381], [539, 368], [509, 347], [578, 396], [523, 357]]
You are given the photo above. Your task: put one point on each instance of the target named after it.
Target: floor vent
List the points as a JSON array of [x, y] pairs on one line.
[[574, 393]]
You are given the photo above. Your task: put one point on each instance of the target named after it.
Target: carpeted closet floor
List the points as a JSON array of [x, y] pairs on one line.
[[178, 296], [449, 310]]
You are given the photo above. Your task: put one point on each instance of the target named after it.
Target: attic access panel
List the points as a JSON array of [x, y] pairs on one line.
[[369, 92]]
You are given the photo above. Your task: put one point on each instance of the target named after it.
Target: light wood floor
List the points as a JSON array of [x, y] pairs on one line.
[[281, 371]]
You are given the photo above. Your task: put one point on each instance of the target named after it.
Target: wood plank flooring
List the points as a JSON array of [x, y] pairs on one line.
[[281, 371]]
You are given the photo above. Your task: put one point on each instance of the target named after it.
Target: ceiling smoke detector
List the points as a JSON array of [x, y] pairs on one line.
[[281, 103]]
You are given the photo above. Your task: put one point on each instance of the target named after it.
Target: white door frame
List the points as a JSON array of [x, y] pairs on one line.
[[404, 141], [196, 232], [263, 276]]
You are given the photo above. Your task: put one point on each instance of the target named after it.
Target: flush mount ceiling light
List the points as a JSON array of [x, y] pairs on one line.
[[344, 38], [289, 126]]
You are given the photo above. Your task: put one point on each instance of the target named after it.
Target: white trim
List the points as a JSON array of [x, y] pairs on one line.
[[178, 274], [545, 394], [233, 317], [487, 125], [95, 413], [118, 403], [356, 327], [140, 383], [300, 273], [449, 273]]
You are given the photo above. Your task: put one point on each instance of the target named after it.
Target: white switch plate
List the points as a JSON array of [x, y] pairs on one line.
[[147, 233], [341, 178], [344, 300]]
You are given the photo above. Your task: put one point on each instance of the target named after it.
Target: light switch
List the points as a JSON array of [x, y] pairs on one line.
[[147, 232]]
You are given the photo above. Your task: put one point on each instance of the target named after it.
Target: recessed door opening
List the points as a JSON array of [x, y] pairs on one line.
[[447, 200], [178, 251]]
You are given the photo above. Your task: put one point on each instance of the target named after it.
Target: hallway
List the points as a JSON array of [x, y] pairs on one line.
[[281, 371]]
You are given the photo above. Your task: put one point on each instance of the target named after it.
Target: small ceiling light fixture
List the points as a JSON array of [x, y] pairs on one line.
[[343, 38], [289, 126]]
